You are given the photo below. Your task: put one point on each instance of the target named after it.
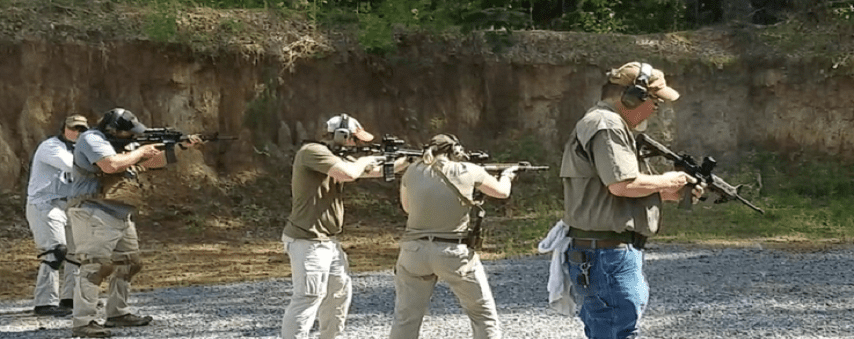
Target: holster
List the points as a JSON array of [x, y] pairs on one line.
[[474, 238]]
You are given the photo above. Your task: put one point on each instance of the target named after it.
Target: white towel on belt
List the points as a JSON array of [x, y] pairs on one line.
[[560, 289]]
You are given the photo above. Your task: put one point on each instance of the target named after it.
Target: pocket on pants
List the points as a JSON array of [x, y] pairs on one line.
[[315, 284]]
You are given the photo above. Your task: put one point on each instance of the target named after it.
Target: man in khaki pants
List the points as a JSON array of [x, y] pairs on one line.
[[436, 192], [105, 195], [321, 277]]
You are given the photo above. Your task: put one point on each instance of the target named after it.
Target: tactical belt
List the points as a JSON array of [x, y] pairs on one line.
[[605, 239], [452, 241]]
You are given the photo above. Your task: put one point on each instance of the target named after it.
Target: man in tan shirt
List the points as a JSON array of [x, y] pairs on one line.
[[612, 202], [436, 192], [320, 272]]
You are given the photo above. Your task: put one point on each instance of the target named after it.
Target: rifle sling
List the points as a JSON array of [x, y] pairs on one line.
[[465, 199]]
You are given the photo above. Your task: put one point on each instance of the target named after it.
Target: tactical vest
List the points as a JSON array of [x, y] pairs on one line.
[[126, 187]]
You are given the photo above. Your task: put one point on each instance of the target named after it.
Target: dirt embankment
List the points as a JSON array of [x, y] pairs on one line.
[[271, 81]]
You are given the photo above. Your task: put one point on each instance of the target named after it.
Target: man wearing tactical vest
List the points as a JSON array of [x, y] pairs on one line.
[[105, 195], [320, 272], [436, 193], [612, 201], [47, 195]]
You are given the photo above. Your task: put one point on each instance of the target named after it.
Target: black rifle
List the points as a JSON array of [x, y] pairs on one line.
[[474, 239], [647, 147], [390, 147], [166, 136]]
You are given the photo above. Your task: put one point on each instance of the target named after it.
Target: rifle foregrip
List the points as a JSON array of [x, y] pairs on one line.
[[687, 201]]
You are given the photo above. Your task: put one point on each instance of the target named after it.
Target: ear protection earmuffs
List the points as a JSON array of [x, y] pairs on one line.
[[636, 94], [457, 150], [342, 133]]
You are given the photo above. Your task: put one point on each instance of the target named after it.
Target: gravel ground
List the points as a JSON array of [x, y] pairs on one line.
[[695, 293]]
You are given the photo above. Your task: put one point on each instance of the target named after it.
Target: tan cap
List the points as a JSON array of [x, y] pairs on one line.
[[353, 125], [626, 75], [76, 120]]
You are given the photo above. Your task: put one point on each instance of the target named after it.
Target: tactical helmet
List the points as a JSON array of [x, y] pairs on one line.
[[120, 119]]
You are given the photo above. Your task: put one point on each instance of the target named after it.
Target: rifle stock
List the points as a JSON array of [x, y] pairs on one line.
[[647, 147]]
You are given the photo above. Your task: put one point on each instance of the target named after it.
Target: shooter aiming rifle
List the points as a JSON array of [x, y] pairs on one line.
[[166, 136], [474, 239], [647, 148], [390, 147]]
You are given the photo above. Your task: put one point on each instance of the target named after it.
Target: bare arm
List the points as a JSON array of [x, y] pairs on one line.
[[120, 162], [668, 184], [496, 188], [364, 167]]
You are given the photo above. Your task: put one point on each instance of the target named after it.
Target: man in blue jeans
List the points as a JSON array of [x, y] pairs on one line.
[[612, 201]]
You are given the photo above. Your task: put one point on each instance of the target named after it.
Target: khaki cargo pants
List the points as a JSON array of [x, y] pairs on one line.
[[420, 264], [105, 244]]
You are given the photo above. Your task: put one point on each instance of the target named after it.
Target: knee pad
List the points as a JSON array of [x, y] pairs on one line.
[[102, 271], [59, 252], [130, 267]]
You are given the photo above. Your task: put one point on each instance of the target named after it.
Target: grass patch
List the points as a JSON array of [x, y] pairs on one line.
[[805, 201]]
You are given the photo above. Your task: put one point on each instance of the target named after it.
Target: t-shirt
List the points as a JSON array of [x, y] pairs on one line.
[[434, 208], [50, 173], [317, 208], [601, 151], [92, 146]]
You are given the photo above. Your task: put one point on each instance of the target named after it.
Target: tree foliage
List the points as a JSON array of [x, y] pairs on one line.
[[378, 21]]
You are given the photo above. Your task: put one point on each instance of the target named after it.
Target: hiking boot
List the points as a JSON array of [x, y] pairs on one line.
[[127, 320], [51, 310], [92, 330], [66, 303]]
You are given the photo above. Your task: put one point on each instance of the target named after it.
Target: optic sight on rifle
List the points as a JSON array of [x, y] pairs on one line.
[[167, 137], [647, 147], [390, 147]]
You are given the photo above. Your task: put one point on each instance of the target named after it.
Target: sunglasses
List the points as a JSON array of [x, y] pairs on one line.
[[80, 129]]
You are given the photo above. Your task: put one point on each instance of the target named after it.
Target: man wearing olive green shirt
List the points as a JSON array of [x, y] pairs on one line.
[[320, 272], [612, 202]]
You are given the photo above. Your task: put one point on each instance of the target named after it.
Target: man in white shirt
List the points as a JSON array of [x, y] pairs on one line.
[[47, 193]]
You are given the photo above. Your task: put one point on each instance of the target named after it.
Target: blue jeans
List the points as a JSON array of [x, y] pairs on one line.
[[617, 293]]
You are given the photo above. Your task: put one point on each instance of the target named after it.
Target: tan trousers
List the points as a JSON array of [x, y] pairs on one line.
[[101, 239], [420, 264], [322, 288]]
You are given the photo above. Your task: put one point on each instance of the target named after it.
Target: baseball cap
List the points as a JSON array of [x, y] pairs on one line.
[[76, 120], [353, 125], [626, 75]]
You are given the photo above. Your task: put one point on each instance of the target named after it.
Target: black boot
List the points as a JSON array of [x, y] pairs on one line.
[[52, 310], [67, 303]]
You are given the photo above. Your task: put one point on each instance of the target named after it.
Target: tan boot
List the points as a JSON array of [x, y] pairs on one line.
[[92, 330]]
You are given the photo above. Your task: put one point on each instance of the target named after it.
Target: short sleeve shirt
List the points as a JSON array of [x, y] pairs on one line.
[[317, 210], [50, 172], [434, 208], [92, 146], [601, 151]]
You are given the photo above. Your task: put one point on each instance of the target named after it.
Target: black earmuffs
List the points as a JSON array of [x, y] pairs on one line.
[[638, 92]]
